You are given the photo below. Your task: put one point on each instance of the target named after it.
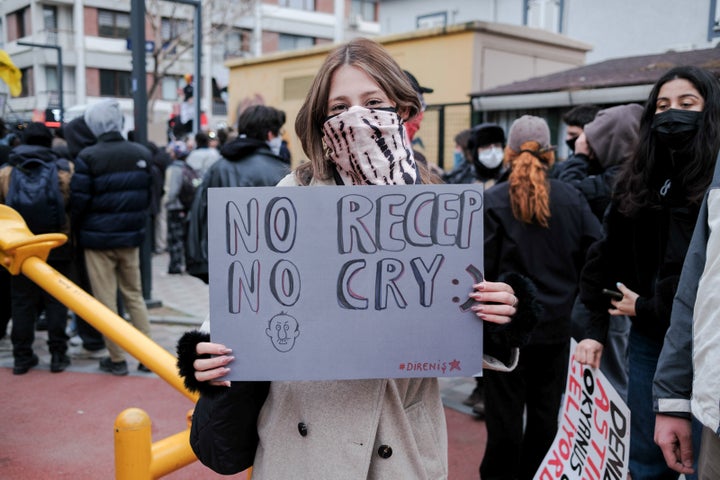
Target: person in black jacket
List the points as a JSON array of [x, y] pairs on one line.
[[247, 161], [110, 201], [28, 299], [540, 229]]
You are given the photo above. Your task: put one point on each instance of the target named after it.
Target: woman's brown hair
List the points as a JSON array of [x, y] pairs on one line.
[[374, 60]]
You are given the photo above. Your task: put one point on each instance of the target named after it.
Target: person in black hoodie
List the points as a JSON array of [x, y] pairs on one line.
[[28, 299], [247, 161]]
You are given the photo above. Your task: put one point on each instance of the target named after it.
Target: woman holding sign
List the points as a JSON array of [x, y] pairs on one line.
[[351, 429]]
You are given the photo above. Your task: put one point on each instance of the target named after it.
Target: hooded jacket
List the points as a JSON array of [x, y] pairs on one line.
[[111, 185], [612, 136]]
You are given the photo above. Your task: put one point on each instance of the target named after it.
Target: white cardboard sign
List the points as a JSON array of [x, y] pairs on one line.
[[321, 283], [593, 438]]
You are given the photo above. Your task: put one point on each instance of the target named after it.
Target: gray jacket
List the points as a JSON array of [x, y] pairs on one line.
[[688, 372]]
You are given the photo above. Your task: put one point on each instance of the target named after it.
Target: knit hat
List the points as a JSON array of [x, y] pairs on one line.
[[179, 149], [526, 129], [36, 133], [104, 116]]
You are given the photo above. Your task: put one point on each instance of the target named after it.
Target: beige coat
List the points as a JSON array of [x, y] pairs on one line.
[[389, 429]]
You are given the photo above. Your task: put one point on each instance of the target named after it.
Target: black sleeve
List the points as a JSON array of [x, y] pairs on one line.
[[223, 433]]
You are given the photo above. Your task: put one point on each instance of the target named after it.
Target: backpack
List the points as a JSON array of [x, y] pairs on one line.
[[34, 192], [190, 181]]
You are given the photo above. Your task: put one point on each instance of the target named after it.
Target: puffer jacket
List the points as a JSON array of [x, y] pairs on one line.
[[688, 372], [111, 193]]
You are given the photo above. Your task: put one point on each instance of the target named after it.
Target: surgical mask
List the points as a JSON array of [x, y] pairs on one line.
[[275, 144], [491, 158], [676, 128], [458, 158], [369, 147]]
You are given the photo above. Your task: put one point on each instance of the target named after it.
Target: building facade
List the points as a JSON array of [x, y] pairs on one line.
[[84, 45]]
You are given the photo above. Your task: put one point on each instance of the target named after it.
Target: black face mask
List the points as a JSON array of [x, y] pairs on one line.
[[571, 144], [676, 128]]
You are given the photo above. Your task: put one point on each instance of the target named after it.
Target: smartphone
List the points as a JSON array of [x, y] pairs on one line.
[[613, 294]]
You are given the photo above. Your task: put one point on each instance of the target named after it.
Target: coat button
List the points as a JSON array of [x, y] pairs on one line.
[[385, 451], [302, 428]]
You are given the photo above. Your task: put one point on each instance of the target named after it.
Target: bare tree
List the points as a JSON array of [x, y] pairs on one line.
[[171, 27]]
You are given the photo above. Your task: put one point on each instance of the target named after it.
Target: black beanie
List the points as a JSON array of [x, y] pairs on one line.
[[486, 134], [36, 133]]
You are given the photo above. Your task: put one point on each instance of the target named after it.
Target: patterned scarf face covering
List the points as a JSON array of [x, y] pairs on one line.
[[369, 147]]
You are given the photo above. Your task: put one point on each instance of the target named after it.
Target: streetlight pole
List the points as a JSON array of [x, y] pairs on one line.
[[60, 71]]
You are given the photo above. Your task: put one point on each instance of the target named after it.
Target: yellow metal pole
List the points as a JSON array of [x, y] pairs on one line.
[[133, 443], [171, 453], [21, 251]]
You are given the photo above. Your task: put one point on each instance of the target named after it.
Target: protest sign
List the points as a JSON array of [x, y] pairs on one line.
[[593, 440], [320, 283]]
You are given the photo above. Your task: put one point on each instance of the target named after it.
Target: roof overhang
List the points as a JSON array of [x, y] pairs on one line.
[[614, 95]]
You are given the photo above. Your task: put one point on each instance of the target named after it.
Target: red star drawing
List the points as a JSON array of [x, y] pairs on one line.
[[455, 365]]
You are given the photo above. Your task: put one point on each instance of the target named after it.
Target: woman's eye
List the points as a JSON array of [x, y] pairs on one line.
[[338, 108]]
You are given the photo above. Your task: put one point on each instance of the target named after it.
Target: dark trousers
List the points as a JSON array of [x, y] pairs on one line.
[[5, 300], [536, 384], [176, 232], [27, 301]]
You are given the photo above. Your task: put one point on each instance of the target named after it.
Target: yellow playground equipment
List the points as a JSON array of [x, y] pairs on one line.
[[136, 457]]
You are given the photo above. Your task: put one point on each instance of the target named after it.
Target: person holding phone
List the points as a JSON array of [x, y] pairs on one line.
[[648, 226]]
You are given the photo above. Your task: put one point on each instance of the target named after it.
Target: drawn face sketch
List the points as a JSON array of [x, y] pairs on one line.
[[282, 330]]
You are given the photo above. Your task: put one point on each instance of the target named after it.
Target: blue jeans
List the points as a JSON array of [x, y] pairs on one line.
[[646, 459]]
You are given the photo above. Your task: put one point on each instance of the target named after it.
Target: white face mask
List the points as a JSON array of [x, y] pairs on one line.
[[275, 144], [491, 157]]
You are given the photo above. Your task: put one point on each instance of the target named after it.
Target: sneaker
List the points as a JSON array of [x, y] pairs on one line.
[[23, 367], [80, 352], [116, 368], [59, 362], [75, 340], [143, 368]]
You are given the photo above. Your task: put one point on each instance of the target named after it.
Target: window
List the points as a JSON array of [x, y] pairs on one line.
[[298, 4], [237, 43], [113, 24], [544, 14], [294, 42], [26, 82], [432, 20], [714, 28], [16, 24], [171, 85], [50, 23], [366, 9], [51, 78], [114, 83], [174, 27]]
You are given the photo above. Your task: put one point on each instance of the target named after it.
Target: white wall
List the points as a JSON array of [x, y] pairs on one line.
[[616, 28]]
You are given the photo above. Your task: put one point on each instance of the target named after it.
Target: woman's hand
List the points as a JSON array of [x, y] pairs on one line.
[[209, 369], [589, 352], [497, 302], [625, 306]]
